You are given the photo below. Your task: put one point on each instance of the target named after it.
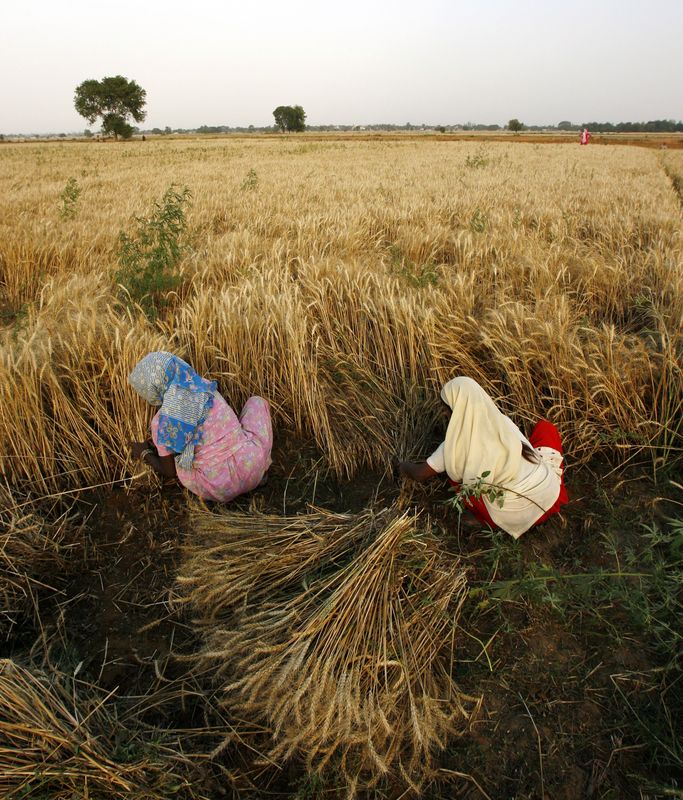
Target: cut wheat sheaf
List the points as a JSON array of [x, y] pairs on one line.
[[339, 632]]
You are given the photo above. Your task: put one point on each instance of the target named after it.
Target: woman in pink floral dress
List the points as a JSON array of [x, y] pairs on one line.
[[196, 436]]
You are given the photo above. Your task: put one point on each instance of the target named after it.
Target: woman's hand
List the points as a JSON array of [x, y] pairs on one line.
[[164, 465], [137, 448], [419, 472], [402, 469]]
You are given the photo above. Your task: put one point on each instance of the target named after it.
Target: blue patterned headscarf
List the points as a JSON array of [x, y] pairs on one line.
[[185, 399]]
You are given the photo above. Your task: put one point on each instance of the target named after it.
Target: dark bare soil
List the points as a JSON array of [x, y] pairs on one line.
[[581, 691]]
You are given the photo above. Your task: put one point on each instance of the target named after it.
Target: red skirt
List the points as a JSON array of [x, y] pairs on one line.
[[544, 434]]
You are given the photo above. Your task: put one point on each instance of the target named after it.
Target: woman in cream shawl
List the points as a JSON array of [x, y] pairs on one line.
[[485, 448]]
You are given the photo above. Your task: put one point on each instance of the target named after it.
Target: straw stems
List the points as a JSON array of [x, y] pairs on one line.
[[58, 737], [349, 663], [31, 552]]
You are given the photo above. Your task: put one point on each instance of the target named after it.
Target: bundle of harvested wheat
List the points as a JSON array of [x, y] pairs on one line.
[[244, 559], [349, 655]]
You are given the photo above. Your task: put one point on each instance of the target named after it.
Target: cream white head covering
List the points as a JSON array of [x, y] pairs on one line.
[[479, 437]]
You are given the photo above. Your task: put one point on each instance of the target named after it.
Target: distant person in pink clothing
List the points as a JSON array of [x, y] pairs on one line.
[[585, 136], [196, 436]]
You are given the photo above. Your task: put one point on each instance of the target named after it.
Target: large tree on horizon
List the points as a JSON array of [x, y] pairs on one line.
[[114, 99], [290, 118]]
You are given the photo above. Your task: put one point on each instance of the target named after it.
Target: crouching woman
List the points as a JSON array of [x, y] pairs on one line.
[[196, 436], [485, 449]]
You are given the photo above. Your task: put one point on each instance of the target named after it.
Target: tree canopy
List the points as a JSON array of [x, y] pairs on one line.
[[290, 118], [114, 99], [515, 125]]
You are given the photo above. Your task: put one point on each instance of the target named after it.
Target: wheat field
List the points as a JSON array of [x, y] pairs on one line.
[[345, 281]]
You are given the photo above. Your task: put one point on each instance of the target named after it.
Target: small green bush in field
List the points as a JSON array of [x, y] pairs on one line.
[[250, 182], [477, 161], [69, 198], [149, 257]]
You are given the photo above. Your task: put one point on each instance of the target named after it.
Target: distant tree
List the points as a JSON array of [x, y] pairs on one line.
[[565, 125], [515, 125], [113, 99], [87, 133], [290, 118]]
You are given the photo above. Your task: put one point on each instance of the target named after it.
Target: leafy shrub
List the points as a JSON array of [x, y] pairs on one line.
[[250, 182], [69, 198], [477, 161], [149, 257]]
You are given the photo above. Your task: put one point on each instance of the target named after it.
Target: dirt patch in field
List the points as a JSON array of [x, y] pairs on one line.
[[118, 617], [564, 673]]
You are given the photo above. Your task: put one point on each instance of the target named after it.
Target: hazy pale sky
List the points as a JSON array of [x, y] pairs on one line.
[[220, 62]]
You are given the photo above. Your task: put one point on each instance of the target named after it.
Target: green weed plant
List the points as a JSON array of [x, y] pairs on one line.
[[149, 257], [476, 490], [69, 197], [250, 183], [417, 276], [477, 161]]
